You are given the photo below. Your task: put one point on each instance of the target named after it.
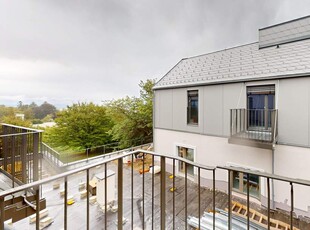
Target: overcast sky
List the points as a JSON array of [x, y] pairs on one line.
[[64, 51]]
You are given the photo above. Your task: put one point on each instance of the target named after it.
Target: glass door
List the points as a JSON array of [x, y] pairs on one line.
[[260, 104]]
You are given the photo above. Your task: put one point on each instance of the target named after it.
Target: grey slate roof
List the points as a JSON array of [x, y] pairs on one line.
[[285, 32], [243, 63]]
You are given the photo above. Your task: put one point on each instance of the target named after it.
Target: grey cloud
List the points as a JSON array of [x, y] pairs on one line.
[[98, 50]]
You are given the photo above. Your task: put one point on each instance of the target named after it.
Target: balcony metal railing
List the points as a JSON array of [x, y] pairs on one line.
[[254, 124], [19, 147], [160, 207], [105, 151]]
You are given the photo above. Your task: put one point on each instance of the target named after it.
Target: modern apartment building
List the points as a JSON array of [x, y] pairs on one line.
[[246, 107]]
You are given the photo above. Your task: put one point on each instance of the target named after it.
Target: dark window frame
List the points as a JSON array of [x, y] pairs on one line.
[[192, 107]]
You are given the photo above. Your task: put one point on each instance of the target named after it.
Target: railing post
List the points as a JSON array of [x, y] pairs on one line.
[[292, 204], [199, 198], [163, 193], [173, 196], [268, 205], [213, 199], [248, 200], [24, 157], [185, 213], [65, 203], [35, 155], [229, 200], [2, 213], [13, 161], [105, 196], [37, 208], [87, 201], [120, 194], [132, 161], [231, 132], [143, 202]]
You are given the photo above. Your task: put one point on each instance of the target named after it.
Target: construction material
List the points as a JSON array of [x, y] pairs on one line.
[[56, 185], [83, 194], [258, 218], [92, 199], [143, 171], [62, 193], [9, 222], [155, 169], [70, 200], [46, 222], [82, 185], [100, 187], [43, 213]]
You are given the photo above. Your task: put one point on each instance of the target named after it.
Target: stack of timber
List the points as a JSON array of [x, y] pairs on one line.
[[258, 218]]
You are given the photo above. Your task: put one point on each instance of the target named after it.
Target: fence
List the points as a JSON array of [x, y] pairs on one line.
[[162, 212]]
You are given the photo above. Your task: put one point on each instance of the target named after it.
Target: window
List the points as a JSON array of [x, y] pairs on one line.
[[240, 183], [192, 107], [188, 154]]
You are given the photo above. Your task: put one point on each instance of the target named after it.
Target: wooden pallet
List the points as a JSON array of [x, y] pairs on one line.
[[258, 218]]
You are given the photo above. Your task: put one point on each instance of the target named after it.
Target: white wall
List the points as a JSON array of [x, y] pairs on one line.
[[292, 162], [213, 151]]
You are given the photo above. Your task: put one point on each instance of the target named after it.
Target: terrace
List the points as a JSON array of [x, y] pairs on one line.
[[162, 200]]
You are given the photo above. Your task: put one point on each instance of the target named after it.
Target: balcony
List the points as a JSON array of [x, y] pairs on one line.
[[256, 128], [127, 197]]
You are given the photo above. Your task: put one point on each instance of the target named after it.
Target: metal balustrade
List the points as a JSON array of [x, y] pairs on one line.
[[167, 163], [19, 147], [256, 125]]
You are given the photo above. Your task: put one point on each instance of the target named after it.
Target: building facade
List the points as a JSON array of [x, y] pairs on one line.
[[247, 107]]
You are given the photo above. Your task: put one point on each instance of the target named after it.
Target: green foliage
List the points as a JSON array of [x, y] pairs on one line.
[[43, 110], [133, 117], [6, 111], [81, 125], [13, 120]]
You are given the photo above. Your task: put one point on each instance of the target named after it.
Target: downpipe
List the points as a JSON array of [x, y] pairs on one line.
[[272, 182]]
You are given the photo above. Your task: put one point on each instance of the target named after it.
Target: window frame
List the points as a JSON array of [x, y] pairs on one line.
[[192, 94]]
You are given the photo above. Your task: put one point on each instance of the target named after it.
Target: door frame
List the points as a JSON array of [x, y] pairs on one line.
[[176, 153]]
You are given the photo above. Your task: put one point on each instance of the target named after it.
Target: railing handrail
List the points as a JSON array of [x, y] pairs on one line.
[[86, 167], [266, 175], [210, 168], [22, 127], [46, 145], [106, 154], [255, 109], [95, 157]]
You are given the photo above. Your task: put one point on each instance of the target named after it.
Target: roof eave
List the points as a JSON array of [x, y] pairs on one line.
[[233, 81]]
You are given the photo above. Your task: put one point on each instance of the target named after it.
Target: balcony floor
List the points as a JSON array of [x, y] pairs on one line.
[[77, 212], [254, 135]]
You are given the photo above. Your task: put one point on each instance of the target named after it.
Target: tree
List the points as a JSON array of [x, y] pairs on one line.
[[133, 117], [13, 120], [81, 125], [43, 110]]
